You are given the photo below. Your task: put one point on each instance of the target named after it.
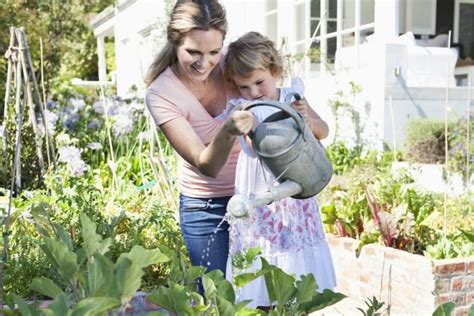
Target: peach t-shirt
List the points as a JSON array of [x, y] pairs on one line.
[[167, 98]]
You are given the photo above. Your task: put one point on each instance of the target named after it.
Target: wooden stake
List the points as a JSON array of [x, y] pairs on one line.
[[446, 158], [468, 141], [31, 107], [46, 131], [27, 55]]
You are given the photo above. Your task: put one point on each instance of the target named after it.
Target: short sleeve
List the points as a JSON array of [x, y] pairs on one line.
[[162, 110]]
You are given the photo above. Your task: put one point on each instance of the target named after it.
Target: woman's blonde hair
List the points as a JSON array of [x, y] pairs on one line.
[[249, 53], [187, 15]]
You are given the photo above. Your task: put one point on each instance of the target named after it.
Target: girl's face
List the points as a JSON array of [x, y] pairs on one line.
[[260, 85], [199, 53]]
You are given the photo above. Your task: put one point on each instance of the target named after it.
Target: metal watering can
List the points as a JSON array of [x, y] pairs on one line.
[[287, 146]]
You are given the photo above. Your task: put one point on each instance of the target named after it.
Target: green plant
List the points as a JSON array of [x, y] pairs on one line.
[[444, 309], [293, 296], [373, 306], [344, 103], [425, 143], [379, 207], [90, 283]]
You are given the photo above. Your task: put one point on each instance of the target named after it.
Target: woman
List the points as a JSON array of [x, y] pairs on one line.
[[187, 96]]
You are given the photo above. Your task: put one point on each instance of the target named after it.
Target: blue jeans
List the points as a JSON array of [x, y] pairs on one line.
[[207, 244]]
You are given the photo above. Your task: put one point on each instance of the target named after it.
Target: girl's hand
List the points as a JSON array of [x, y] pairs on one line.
[[302, 107]]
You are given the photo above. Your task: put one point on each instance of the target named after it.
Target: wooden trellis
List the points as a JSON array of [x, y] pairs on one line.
[[21, 80]]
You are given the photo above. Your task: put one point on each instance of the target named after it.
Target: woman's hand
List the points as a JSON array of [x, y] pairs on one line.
[[239, 122]]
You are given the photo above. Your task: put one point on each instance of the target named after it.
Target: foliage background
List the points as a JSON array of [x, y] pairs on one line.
[[69, 45]]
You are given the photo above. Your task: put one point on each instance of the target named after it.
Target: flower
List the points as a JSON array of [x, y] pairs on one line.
[[51, 119], [94, 124], [123, 125], [77, 104], [63, 139], [94, 146], [72, 157], [52, 104]]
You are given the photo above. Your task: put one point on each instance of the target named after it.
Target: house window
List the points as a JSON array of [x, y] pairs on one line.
[[331, 16], [463, 26]]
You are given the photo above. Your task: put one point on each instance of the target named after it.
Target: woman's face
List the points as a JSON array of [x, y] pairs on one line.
[[260, 85], [199, 53]]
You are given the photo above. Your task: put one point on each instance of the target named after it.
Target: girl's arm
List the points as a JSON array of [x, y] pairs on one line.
[[209, 159], [318, 126]]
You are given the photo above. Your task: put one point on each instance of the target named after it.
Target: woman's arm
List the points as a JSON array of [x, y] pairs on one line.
[[209, 159]]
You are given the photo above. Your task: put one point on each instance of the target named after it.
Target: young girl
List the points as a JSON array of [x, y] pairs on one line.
[[288, 232]]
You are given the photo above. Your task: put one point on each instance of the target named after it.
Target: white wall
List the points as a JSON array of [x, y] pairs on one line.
[[244, 16], [133, 49]]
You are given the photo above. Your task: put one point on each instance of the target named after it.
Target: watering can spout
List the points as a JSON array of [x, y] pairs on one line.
[[240, 205]]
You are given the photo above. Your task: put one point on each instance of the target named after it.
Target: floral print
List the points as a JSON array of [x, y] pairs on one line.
[[288, 225]]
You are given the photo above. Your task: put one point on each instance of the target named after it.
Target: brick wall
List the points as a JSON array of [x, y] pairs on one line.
[[407, 283], [454, 279]]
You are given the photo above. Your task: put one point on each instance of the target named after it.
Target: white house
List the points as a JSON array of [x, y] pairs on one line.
[[401, 77]]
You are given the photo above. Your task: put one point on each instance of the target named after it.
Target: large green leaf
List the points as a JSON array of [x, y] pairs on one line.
[[305, 288], [224, 306], [144, 257], [193, 272], [100, 276], [175, 299], [280, 286], [209, 287], [63, 258], [63, 235], [24, 308], [92, 241], [226, 290], [245, 278], [242, 310], [444, 309], [128, 278], [320, 301], [59, 306], [46, 287], [94, 305]]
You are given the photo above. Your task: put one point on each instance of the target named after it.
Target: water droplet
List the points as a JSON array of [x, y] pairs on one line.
[[208, 263]]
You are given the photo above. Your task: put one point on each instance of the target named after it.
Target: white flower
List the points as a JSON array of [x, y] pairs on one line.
[[123, 125], [68, 153], [98, 107], [63, 139], [78, 104], [72, 157], [94, 146]]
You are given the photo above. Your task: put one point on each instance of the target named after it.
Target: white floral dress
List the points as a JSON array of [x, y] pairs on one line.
[[289, 232]]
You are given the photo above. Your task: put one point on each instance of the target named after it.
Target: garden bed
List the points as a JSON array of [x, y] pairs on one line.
[[407, 283]]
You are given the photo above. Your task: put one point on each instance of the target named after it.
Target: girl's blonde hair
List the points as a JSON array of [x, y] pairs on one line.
[[249, 53], [187, 15]]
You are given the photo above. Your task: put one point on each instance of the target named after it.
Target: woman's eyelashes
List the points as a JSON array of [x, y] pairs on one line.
[[196, 52]]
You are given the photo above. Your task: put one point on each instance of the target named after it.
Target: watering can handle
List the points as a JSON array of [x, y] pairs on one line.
[[295, 115]]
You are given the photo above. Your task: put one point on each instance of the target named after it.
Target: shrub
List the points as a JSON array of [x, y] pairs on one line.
[[425, 143]]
